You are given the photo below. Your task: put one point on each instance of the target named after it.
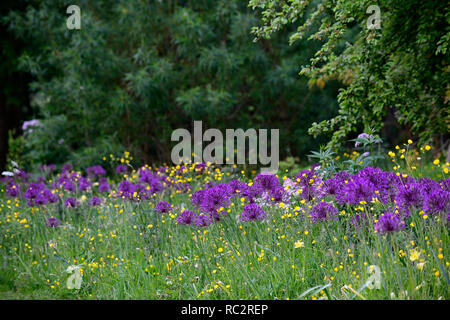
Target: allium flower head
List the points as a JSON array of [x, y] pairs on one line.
[[252, 212], [52, 222], [94, 201], [95, 171], [121, 168], [67, 167], [267, 181], [13, 189], [187, 217], [216, 197], [437, 200], [202, 221], [163, 207], [389, 222], [71, 202]]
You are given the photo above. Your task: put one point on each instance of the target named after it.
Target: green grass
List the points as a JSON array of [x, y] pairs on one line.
[[127, 251]]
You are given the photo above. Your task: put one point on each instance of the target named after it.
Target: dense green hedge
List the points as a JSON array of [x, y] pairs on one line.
[[137, 70]]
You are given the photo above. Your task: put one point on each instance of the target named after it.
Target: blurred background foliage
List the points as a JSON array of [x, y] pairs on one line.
[[397, 71], [139, 69]]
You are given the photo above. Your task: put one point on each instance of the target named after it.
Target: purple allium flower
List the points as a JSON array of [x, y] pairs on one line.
[[153, 180], [163, 207], [95, 171], [67, 167], [308, 182], [436, 200], [202, 221], [40, 200], [50, 196], [333, 186], [197, 197], [277, 195], [121, 168], [33, 192], [104, 187], [216, 197], [408, 196], [323, 211], [187, 217], [13, 190], [267, 181], [251, 193], [252, 212], [94, 201], [52, 222], [71, 202], [200, 167], [389, 222], [126, 189], [356, 190], [84, 184], [66, 184]]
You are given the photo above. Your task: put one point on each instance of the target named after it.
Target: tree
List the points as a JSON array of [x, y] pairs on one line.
[[403, 66], [137, 70]]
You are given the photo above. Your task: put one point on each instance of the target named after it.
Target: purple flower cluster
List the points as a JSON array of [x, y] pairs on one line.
[[121, 168], [37, 194], [52, 222], [94, 201], [154, 180], [95, 171], [389, 222], [186, 217], [252, 212], [12, 189], [309, 184], [210, 200], [71, 202], [129, 191], [163, 207]]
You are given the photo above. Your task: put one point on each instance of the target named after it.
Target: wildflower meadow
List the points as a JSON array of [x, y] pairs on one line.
[[220, 157], [201, 231]]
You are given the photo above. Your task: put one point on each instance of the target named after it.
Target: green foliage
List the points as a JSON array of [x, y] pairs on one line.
[[368, 155], [402, 66], [137, 70]]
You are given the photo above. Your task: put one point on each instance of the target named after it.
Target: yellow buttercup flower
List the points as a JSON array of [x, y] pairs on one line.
[[299, 244], [414, 255]]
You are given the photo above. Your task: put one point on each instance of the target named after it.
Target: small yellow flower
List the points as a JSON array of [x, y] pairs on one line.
[[414, 255], [436, 162], [299, 244]]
